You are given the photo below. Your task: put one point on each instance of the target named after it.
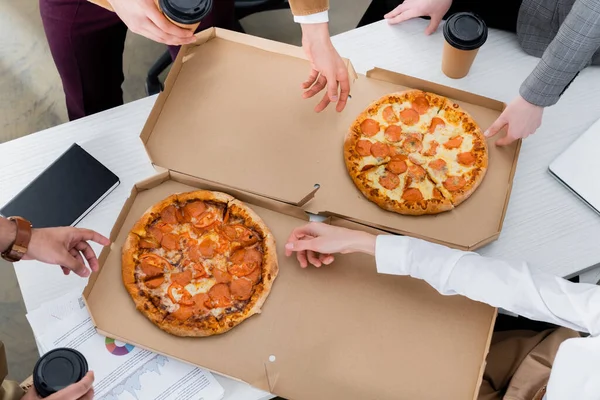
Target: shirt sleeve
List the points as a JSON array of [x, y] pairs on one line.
[[317, 18], [513, 286], [571, 50], [308, 7]]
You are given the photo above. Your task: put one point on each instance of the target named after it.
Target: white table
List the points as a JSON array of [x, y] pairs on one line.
[[558, 234]]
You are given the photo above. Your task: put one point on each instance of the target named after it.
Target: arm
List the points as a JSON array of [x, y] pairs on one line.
[[8, 233], [513, 286], [307, 7], [571, 50]]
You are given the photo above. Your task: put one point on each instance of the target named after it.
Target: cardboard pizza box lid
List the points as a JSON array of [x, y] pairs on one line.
[[232, 112], [340, 332]]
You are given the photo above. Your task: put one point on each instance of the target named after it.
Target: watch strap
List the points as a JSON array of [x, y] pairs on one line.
[[19, 247]]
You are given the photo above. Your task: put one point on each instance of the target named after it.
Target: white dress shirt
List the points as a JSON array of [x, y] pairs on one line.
[[317, 18], [515, 287]]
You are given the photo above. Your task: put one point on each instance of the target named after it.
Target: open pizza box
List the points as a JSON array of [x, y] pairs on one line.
[[233, 104], [341, 332]]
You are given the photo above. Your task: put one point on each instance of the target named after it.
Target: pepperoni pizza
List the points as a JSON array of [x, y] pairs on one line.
[[199, 263], [416, 153]]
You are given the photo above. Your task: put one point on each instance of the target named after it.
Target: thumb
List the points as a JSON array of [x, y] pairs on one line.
[[332, 87], [433, 25], [72, 263], [506, 140], [300, 245], [496, 127]]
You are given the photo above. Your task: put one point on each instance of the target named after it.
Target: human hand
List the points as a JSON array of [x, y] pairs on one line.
[[522, 119], [327, 68], [82, 390], [144, 18], [64, 247], [435, 9], [316, 243]]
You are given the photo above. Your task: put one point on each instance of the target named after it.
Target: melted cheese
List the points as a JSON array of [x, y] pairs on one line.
[[217, 312], [374, 175], [201, 286]]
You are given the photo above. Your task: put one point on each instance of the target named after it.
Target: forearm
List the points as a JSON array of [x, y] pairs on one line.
[[515, 287], [8, 232], [307, 7], [571, 50]]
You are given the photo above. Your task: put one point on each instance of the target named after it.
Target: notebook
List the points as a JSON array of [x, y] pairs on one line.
[[577, 167], [65, 192]]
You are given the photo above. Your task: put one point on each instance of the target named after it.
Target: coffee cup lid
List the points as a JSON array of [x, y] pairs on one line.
[[186, 11], [58, 369], [465, 31]]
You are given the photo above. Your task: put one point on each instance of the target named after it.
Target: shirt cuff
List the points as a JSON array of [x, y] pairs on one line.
[[318, 18], [391, 254]]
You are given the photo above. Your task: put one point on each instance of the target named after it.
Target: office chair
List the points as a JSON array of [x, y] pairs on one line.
[[243, 8]]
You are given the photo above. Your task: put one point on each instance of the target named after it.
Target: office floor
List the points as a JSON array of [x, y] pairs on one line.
[[32, 100]]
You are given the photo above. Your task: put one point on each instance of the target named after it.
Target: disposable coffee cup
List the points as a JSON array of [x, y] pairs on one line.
[[58, 369], [186, 14], [465, 33]]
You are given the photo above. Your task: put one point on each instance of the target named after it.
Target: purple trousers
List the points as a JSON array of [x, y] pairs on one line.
[[87, 41]]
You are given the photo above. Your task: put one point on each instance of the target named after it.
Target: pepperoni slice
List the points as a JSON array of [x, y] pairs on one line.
[[241, 269], [156, 232], [412, 194], [170, 241], [241, 234], [155, 260], [409, 116], [253, 256], [206, 219], [194, 253], [437, 194], [363, 147], [148, 243], [437, 164], [207, 248], [244, 261], [179, 295], [420, 105], [435, 122], [367, 167], [412, 144], [220, 295], [154, 283], [397, 167], [369, 127], [169, 215], [455, 183], [454, 143], [433, 145], [201, 302], [389, 181], [399, 157], [393, 133], [380, 150], [416, 158], [183, 278], [389, 115], [199, 270], [221, 276], [183, 313], [241, 289], [150, 270], [467, 158], [254, 276], [193, 210], [417, 172]]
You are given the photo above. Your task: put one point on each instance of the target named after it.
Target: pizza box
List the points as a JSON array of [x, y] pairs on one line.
[[233, 105], [340, 332]]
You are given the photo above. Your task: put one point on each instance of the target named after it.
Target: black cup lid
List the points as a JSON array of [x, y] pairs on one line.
[[465, 31], [58, 369], [186, 11]]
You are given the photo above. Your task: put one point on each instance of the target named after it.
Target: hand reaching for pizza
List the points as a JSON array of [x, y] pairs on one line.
[[65, 247], [315, 243], [436, 9], [327, 68], [81, 390], [522, 119]]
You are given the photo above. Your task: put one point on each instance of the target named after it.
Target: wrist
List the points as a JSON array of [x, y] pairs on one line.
[[315, 31], [364, 243], [8, 234]]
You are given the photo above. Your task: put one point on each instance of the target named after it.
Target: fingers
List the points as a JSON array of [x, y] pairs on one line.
[[89, 254], [326, 258], [153, 32], [313, 258], [312, 77], [332, 88], [89, 395], [90, 235], [404, 16], [167, 27], [301, 257], [75, 391], [344, 91], [433, 25], [396, 11], [75, 253], [72, 263], [319, 85], [506, 140], [65, 270], [496, 127], [323, 103]]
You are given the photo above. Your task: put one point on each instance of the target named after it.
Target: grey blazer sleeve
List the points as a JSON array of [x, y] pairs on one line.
[[571, 50]]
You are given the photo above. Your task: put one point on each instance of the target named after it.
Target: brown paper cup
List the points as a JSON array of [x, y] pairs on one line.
[[457, 63]]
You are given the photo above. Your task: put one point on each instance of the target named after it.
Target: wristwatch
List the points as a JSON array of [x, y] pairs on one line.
[[18, 248]]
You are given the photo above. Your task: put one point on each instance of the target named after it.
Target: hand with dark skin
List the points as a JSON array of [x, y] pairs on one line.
[[66, 246]]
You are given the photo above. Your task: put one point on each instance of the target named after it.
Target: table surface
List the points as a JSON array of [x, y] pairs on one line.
[[545, 224]]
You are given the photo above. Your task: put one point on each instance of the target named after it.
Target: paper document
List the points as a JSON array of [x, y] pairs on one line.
[[126, 372]]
